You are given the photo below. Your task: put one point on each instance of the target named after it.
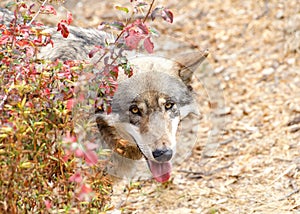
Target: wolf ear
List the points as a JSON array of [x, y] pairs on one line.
[[188, 63]]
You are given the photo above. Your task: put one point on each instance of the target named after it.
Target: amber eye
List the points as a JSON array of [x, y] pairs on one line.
[[134, 109], [169, 105]]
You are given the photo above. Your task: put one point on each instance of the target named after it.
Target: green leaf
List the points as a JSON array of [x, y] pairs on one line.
[[10, 4], [125, 9], [117, 25], [154, 32]]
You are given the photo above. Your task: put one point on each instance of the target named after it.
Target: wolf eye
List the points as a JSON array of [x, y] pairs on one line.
[[169, 105], [134, 109]]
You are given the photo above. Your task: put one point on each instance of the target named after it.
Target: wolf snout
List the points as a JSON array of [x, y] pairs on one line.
[[162, 155]]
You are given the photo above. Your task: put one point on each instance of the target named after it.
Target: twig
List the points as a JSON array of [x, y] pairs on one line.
[[149, 11], [296, 190], [39, 11], [287, 171], [225, 142], [197, 174], [295, 129], [294, 121], [191, 172]]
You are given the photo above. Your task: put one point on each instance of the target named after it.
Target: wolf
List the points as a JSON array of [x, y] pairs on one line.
[[147, 108], [150, 106]]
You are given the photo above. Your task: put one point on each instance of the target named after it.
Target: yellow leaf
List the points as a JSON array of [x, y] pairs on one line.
[[3, 136], [39, 123], [23, 102], [6, 129], [26, 165]]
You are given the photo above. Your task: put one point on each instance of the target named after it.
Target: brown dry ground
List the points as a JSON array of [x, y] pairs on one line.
[[255, 53]]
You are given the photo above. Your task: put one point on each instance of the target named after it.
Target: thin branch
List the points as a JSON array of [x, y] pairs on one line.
[[39, 11], [290, 194], [207, 173], [149, 11]]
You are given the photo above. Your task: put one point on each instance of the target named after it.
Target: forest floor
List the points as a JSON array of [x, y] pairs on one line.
[[255, 54]]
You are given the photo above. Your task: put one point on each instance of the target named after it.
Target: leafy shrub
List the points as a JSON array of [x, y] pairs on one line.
[[42, 163]]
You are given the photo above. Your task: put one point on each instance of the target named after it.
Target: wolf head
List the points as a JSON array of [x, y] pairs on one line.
[[153, 101]]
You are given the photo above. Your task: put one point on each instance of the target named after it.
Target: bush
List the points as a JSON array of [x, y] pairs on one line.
[[34, 170], [42, 164]]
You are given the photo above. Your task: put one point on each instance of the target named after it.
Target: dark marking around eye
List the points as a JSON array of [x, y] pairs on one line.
[[169, 105], [134, 110]]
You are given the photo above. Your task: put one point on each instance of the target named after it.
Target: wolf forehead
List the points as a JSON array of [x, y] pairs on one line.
[[142, 86], [151, 101]]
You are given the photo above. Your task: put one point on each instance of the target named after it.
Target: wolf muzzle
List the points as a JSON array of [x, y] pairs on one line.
[[162, 155]]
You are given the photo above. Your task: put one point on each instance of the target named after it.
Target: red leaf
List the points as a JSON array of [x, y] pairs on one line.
[[85, 189], [148, 45], [144, 29], [48, 204], [30, 104], [129, 72], [79, 153], [70, 104], [85, 193], [76, 178], [46, 92], [133, 39], [62, 27], [48, 9], [114, 72], [69, 18], [109, 109], [94, 51], [22, 43], [4, 39], [70, 138], [65, 158], [51, 42], [91, 157], [67, 155], [167, 15]]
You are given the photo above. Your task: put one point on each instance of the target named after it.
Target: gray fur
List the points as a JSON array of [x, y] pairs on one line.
[[77, 46], [6, 16]]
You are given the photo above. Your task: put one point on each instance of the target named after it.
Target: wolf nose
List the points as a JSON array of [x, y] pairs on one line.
[[162, 155]]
